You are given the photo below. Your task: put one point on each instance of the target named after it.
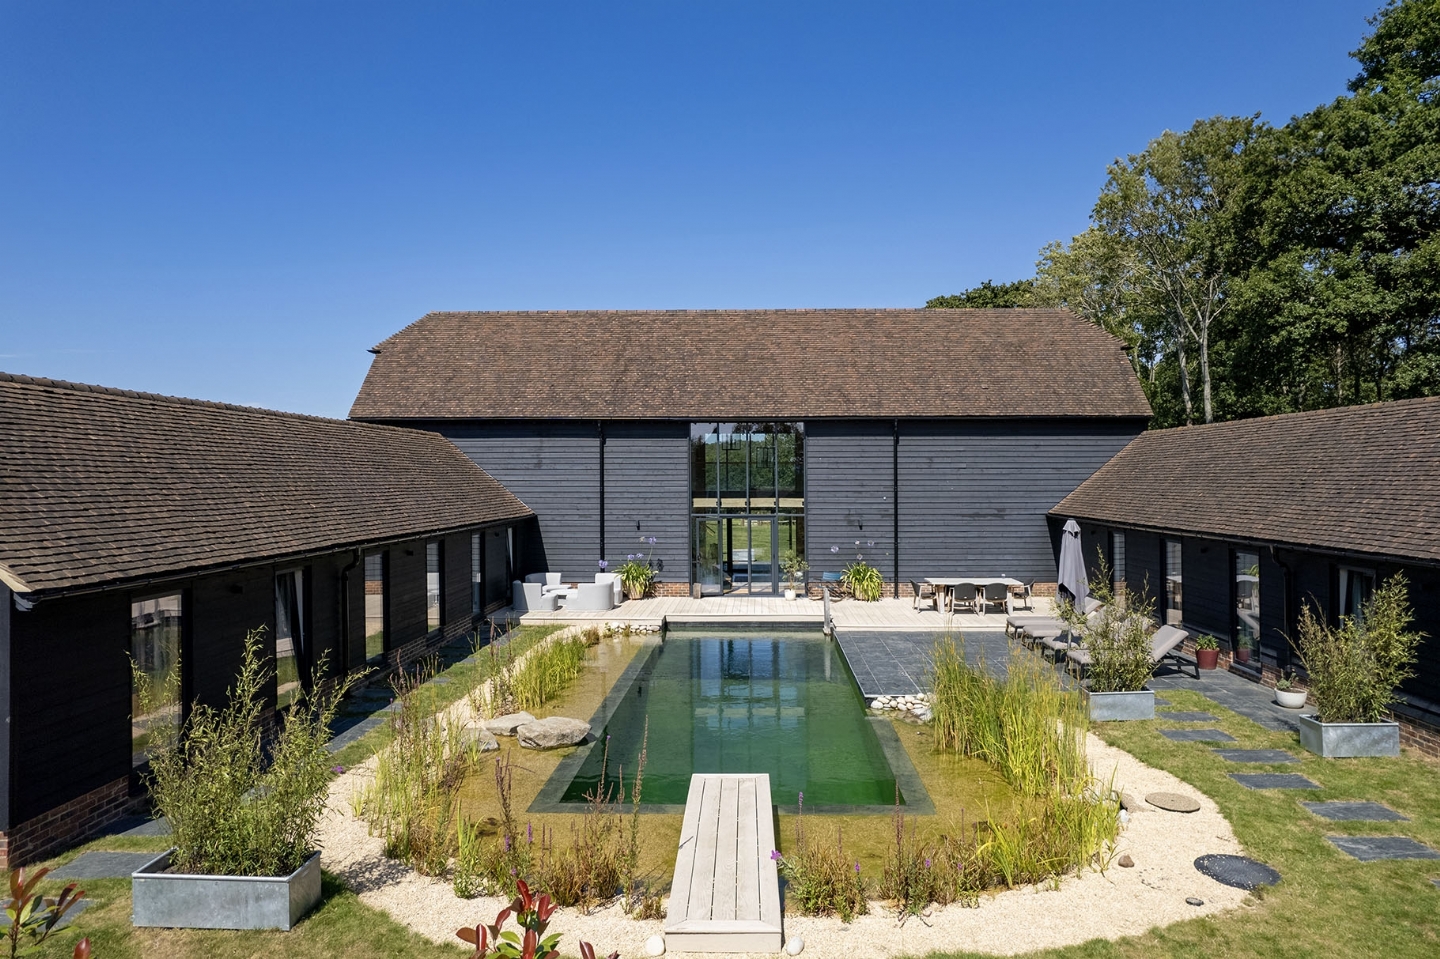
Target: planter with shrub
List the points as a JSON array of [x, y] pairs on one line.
[[1117, 650], [1354, 669], [1287, 695], [1207, 652], [243, 810]]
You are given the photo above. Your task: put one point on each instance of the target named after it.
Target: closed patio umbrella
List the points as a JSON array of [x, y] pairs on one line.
[[1072, 577]]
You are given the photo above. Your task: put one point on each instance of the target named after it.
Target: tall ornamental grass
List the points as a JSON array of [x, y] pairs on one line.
[[237, 803], [1355, 668]]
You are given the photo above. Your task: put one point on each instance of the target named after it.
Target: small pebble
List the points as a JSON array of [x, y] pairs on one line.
[[1194, 902], [1126, 862], [655, 946], [794, 945]]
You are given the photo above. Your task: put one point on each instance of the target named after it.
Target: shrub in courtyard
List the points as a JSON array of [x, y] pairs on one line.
[[411, 801], [235, 807], [863, 581], [819, 879], [1355, 668], [1117, 637]]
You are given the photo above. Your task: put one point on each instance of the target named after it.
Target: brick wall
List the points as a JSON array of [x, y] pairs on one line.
[[67, 824]]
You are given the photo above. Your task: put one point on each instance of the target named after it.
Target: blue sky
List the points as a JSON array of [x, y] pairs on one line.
[[235, 200]]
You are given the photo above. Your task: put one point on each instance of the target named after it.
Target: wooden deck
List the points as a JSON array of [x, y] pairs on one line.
[[887, 614], [726, 893]]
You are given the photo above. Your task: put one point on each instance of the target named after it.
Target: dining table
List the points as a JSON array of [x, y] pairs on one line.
[[945, 586]]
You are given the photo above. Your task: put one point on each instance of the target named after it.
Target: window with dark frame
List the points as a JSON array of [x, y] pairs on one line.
[[291, 639], [1117, 562], [434, 585], [1171, 571], [1354, 589], [156, 705], [376, 605], [477, 575], [1247, 602]]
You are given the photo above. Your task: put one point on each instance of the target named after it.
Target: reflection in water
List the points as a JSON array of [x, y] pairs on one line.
[[782, 705]]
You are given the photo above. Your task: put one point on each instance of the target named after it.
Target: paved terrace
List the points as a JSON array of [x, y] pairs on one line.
[[888, 643]]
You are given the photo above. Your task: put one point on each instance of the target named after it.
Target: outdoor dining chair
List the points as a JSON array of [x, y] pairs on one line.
[[995, 594], [965, 594], [923, 592]]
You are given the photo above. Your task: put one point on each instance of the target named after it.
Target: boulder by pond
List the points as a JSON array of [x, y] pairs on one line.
[[483, 738], [507, 724], [552, 733]]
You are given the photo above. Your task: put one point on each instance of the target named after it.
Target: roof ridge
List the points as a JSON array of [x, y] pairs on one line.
[[1348, 409], [48, 383]]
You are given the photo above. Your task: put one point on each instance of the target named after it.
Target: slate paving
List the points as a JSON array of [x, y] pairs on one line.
[[1257, 756], [1197, 735], [1274, 781], [1235, 693], [1354, 812], [103, 865], [1237, 871], [1187, 716], [896, 663], [1375, 848]]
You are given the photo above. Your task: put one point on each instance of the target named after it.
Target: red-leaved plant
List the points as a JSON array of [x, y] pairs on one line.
[[532, 913], [29, 915]]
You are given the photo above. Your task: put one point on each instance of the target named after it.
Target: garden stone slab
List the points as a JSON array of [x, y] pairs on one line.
[[506, 725], [483, 738], [1274, 781], [1354, 812], [1172, 802], [1256, 756], [552, 733], [1161, 702], [1237, 871], [1372, 848], [1188, 716], [1197, 735], [80, 906], [103, 865]]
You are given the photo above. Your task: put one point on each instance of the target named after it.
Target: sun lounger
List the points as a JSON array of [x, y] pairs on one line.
[[1165, 644]]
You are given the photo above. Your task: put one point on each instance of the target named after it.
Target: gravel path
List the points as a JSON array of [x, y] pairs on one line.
[[1122, 902]]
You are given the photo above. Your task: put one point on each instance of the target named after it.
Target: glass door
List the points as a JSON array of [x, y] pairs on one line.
[[709, 570], [747, 545]]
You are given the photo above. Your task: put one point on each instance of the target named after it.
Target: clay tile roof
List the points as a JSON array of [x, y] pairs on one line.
[[750, 364], [1362, 479], [98, 485]]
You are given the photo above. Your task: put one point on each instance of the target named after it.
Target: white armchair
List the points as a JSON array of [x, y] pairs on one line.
[[614, 579], [530, 596], [592, 596]]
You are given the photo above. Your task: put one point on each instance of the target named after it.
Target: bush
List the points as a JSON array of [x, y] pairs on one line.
[[819, 880], [232, 812], [1355, 668], [863, 581], [1119, 647]]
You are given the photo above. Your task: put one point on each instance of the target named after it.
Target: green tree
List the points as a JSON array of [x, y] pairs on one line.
[[988, 296]]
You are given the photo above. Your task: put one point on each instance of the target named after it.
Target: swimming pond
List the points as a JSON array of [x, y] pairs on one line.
[[782, 703]]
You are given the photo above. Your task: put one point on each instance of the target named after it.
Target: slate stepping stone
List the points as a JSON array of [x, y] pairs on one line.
[[1256, 756], [103, 865], [1237, 871], [1172, 802], [1436, 882], [1372, 848], [1197, 735], [80, 906], [1355, 812], [1273, 781], [1161, 702], [1191, 716]]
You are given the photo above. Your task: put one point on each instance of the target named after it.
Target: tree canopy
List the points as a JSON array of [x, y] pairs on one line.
[[1253, 269]]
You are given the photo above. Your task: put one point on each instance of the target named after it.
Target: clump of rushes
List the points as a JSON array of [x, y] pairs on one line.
[[529, 681], [237, 805], [411, 801], [819, 879]]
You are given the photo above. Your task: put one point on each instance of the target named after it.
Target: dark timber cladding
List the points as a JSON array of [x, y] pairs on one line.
[[935, 439], [164, 529], [1306, 509]]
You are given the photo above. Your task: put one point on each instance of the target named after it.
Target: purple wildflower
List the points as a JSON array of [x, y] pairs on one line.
[[857, 867], [530, 837], [927, 862], [651, 541], [337, 769], [774, 855], [834, 549], [603, 564], [507, 843]]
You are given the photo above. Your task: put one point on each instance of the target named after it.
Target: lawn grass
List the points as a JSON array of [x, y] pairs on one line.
[[1327, 904]]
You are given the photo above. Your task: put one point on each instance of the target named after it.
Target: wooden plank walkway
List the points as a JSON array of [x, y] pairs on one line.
[[725, 896], [898, 614]]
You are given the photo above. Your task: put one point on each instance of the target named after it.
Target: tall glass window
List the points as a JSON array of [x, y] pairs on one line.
[[1355, 587], [1171, 571], [156, 630], [434, 585], [377, 599], [477, 575], [1117, 562], [291, 642], [1247, 603], [747, 485]]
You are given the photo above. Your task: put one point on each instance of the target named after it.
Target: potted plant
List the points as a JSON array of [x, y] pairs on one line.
[[244, 812], [637, 574], [863, 581], [792, 566], [1354, 669], [1207, 652], [1244, 647], [1118, 645], [1287, 695]]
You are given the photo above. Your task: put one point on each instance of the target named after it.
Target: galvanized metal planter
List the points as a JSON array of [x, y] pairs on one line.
[[1110, 707], [178, 901], [1346, 740]]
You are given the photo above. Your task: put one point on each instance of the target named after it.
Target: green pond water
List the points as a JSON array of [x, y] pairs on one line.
[[782, 703]]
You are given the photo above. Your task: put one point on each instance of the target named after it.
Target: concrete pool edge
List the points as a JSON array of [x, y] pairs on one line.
[[916, 798]]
